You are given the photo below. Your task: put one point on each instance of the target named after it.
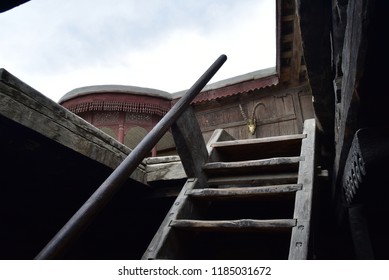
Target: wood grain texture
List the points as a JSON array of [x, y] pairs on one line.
[[234, 225], [299, 244], [190, 146], [244, 192], [27, 107], [253, 166]]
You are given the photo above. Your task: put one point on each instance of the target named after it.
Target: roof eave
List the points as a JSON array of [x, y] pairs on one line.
[[236, 85]]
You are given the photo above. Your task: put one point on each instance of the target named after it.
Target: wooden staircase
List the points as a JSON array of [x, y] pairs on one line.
[[249, 199]]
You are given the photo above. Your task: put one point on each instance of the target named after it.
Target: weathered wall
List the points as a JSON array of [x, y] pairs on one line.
[[278, 112]]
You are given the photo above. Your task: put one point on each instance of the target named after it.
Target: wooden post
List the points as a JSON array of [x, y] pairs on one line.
[[190, 146], [299, 243]]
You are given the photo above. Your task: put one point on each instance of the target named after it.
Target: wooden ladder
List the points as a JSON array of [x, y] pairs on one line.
[[244, 199]]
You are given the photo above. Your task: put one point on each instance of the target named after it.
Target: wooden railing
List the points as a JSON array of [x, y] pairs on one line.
[[84, 216]]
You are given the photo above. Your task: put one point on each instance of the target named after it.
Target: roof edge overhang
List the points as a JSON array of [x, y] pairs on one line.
[[236, 85], [243, 83], [83, 91]]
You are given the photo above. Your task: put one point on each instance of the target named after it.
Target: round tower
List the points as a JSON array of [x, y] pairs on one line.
[[126, 113]]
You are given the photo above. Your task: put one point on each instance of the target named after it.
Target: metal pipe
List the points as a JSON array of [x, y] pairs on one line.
[[83, 217]]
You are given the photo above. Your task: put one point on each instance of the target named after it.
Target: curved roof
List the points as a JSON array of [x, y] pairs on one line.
[[115, 88]]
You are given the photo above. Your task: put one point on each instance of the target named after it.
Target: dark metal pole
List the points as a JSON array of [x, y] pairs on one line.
[[81, 219]]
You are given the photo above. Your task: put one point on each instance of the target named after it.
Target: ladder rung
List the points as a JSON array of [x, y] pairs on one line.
[[270, 164], [259, 140], [262, 179], [247, 192], [252, 163], [234, 225], [258, 148]]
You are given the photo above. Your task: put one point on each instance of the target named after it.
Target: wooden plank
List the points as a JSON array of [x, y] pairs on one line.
[[289, 127], [298, 112], [247, 192], [252, 163], [165, 171], [163, 159], [37, 105], [190, 146], [368, 148], [258, 179], [249, 166], [261, 122], [24, 105], [306, 105], [297, 53], [299, 244], [283, 138], [243, 225], [259, 148]]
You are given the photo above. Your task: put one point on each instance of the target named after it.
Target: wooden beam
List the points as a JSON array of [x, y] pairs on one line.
[[165, 171], [315, 21], [31, 109], [243, 225], [10, 4], [261, 179], [243, 192], [259, 140], [297, 52], [272, 164], [299, 243], [190, 146]]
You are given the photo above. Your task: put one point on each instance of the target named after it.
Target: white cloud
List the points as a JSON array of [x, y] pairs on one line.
[[56, 46]]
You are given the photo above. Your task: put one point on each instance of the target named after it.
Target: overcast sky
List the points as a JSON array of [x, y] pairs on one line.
[[58, 45]]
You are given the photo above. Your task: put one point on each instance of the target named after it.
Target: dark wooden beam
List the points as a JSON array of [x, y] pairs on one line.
[[369, 153], [190, 146], [315, 26], [363, 248], [10, 4]]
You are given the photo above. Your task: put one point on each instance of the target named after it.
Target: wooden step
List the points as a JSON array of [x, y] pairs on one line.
[[242, 225], [211, 209], [277, 164], [265, 140], [259, 148], [256, 179], [246, 192]]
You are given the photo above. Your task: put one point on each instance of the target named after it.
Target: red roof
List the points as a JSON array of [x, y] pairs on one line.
[[236, 85], [235, 89]]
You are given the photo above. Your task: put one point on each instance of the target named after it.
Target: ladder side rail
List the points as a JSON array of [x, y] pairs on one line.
[[84, 216], [164, 239], [299, 243], [194, 155]]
